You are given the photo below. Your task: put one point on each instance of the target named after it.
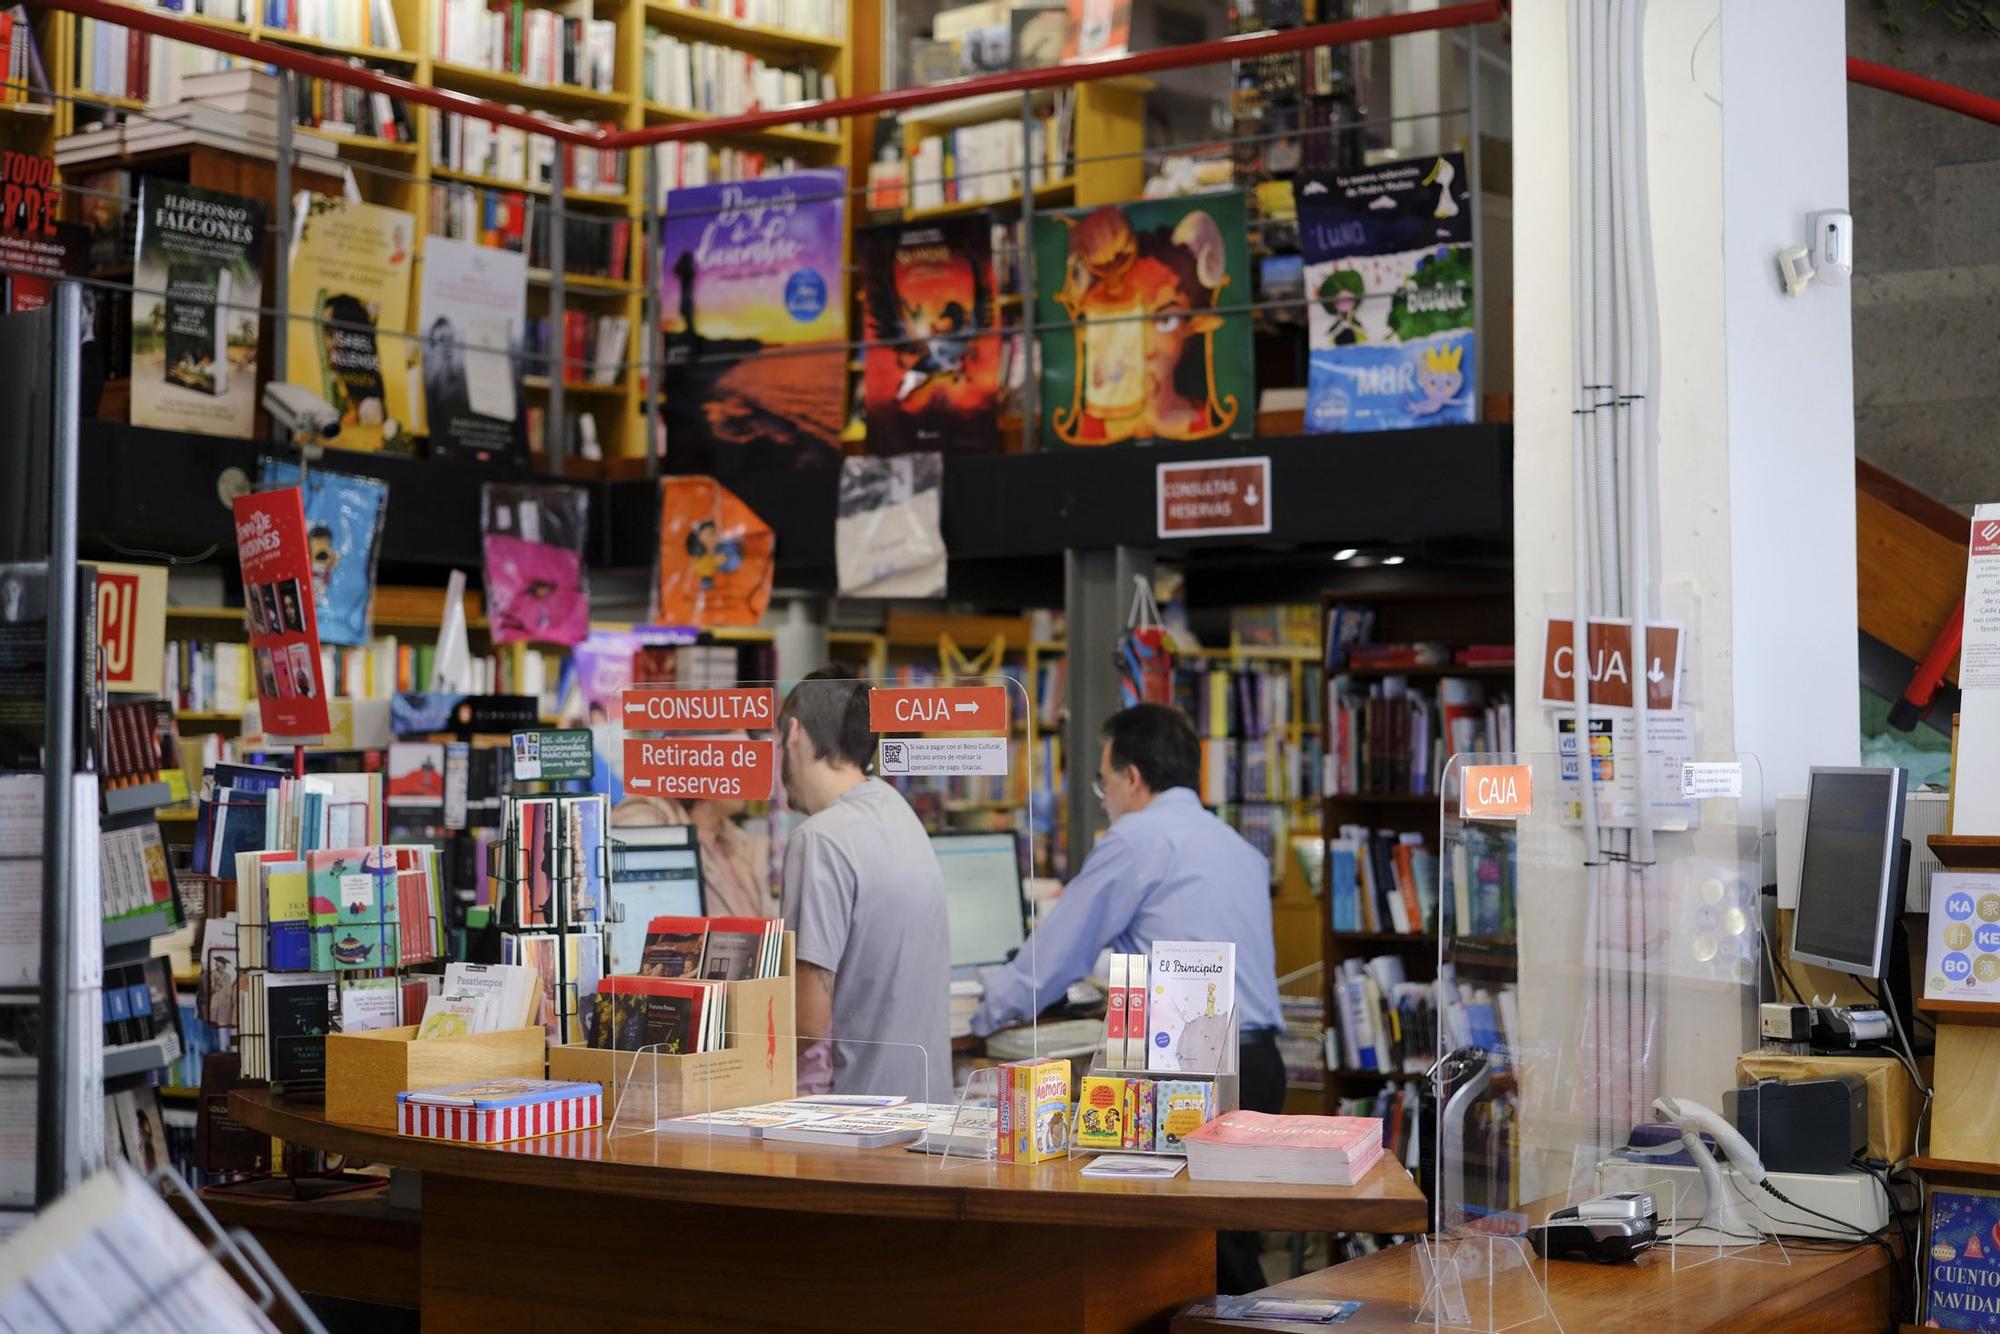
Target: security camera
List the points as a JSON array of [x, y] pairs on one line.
[[300, 413]]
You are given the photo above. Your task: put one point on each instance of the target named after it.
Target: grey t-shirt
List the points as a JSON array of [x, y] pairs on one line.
[[864, 893]]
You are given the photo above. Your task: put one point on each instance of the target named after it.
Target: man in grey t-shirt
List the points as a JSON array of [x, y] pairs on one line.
[[864, 893]]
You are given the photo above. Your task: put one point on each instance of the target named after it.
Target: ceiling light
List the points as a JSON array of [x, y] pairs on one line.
[[1392, 560], [1345, 553]]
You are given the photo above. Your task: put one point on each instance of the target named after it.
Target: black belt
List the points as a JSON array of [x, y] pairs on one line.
[[1259, 1036]]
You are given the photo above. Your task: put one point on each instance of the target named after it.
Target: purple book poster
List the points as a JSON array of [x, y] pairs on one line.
[[751, 284]]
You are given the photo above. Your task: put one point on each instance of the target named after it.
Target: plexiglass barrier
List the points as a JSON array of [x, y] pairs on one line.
[[1597, 980]]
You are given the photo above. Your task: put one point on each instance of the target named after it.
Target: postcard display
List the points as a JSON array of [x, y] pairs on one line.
[[688, 743], [1571, 996], [552, 867], [1200, 1058]]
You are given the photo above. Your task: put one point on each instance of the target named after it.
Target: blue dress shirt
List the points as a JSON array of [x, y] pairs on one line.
[[1172, 871]]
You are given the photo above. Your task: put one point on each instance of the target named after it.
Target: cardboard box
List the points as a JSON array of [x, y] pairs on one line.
[[1893, 1099], [365, 1071], [760, 1063]]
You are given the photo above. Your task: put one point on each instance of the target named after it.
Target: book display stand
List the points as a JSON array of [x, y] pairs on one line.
[[1226, 1085], [553, 866], [1597, 980]]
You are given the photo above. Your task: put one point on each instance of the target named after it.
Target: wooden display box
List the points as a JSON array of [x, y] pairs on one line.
[[365, 1071], [760, 1064]]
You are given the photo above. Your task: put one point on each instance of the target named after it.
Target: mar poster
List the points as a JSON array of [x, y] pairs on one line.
[[751, 287], [198, 286], [350, 305], [470, 315], [931, 374], [1389, 292], [1152, 341]]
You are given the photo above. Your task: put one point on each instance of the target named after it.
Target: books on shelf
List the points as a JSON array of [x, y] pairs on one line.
[[129, 739], [335, 22], [1389, 736], [1387, 1024], [561, 45], [27, 78], [1480, 884], [593, 346], [132, 868], [724, 80], [139, 1007], [1381, 880], [815, 18], [977, 164], [510, 154], [1257, 1146], [340, 108], [593, 247], [681, 166]]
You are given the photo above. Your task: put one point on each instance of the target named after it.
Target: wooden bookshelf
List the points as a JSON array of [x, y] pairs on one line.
[[766, 42]]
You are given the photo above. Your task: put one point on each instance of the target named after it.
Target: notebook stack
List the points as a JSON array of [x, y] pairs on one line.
[[1309, 1150]]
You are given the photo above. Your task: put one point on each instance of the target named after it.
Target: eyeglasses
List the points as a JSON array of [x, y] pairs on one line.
[[1097, 788]]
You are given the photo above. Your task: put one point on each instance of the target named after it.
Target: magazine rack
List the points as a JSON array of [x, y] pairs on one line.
[[1227, 1083]]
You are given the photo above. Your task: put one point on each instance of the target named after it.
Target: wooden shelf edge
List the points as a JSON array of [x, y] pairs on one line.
[[1956, 1168], [1966, 852], [1972, 1012]]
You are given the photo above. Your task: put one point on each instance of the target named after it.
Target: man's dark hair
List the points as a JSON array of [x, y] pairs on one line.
[[832, 705], [1157, 740]]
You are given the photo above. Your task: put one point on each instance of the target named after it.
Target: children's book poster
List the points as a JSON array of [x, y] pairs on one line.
[[532, 539], [1148, 346], [350, 305], [751, 283], [1963, 1261], [197, 286], [470, 316], [931, 375], [716, 556], [344, 518], [1389, 292]]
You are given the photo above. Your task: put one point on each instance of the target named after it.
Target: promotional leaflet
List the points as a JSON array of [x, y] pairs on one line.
[[716, 556], [471, 313], [349, 302], [1389, 287], [344, 518], [931, 375], [533, 545], [277, 597], [887, 542], [1139, 340], [750, 271], [197, 288]]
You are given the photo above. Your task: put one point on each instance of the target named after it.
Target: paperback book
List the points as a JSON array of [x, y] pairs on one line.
[[1193, 991], [197, 287], [471, 313], [350, 295]]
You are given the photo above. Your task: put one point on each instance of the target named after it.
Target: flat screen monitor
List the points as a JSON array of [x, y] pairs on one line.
[[655, 872], [982, 896], [1850, 870]]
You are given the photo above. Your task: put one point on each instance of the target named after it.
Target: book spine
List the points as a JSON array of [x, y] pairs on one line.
[[1138, 984]]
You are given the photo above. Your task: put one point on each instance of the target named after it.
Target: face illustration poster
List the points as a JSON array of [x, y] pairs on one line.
[[1389, 291], [751, 289], [344, 518], [284, 634], [931, 378], [532, 539], [1146, 345]]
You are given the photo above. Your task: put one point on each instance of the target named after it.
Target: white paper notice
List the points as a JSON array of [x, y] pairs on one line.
[[980, 755], [1963, 961], [1669, 743], [1979, 656], [1976, 749], [1711, 780]]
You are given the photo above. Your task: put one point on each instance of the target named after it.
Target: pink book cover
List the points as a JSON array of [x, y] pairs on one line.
[[1260, 1130]]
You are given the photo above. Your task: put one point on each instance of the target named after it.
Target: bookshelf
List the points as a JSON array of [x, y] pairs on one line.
[[402, 174], [1095, 162]]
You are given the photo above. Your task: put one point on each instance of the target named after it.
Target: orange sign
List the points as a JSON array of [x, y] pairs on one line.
[[697, 767], [662, 709], [131, 625], [1496, 791], [938, 709], [1610, 648]]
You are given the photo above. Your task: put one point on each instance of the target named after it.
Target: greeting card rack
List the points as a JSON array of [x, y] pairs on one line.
[[554, 874]]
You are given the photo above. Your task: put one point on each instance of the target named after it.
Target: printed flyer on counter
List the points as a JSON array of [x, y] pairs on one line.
[[198, 286], [750, 278], [278, 605], [350, 298], [1389, 290]]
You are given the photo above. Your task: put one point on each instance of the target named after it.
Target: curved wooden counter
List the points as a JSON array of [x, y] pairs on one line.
[[592, 1230]]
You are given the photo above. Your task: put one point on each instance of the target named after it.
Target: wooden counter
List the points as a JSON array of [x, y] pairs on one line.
[[599, 1232], [1843, 1292]]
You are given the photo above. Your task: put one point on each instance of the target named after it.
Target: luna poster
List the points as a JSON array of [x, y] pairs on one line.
[[350, 301], [931, 375], [1145, 332], [1389, 296], [753, 303]]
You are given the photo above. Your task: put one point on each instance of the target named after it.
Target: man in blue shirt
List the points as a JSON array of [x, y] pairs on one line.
[[1167, 869]]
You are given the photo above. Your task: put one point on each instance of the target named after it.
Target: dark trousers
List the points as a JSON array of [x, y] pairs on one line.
[[1261, 1078]]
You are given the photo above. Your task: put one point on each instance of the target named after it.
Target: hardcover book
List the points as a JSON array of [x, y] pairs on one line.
[[298, 1015], [197, 287], [350, 296]]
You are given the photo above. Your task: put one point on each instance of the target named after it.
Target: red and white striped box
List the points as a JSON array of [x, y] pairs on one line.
[[553, 1109]]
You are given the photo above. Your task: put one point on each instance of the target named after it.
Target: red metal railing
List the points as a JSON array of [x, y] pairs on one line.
[[1918, 88], [165, 24]]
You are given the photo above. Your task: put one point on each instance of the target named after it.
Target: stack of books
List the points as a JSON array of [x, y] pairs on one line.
[[713, 949], [1313, 1150], [1382, 880], [231, 111]]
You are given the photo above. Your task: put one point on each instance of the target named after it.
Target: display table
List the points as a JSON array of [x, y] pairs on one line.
[[590, 1231], [1840, 1292]]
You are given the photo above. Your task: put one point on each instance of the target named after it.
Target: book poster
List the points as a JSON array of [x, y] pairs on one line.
[[887, 539], [532, 539], [349, 303], [198, 283], [716, 556], [1389, 297], [1147, 347], [470, 313], [931, 378], [131, 626], [278, 607], [344, 518], [750, 278], [1962, 1267], [35, 249]]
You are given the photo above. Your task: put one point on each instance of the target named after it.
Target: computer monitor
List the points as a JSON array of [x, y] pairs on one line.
[[655, 872], [1850, 870], [982, 895]]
